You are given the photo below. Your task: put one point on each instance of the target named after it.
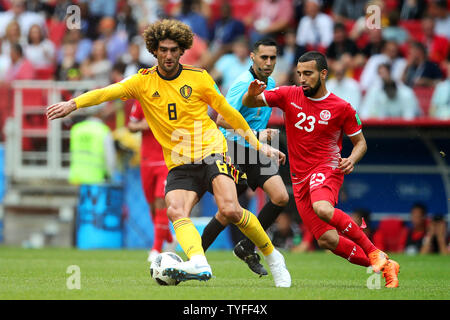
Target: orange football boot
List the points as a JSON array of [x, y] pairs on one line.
[[378, 260], [390, 274]]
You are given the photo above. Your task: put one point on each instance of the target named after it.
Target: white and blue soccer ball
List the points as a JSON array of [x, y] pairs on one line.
[[162, 261]]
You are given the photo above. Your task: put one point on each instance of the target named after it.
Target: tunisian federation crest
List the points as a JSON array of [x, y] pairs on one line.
[[185, 91], [325, 115]]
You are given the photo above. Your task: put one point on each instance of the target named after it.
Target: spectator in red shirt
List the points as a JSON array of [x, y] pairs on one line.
[[269, 18], [437, 46]]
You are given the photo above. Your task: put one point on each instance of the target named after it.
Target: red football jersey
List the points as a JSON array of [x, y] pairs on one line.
[[314, 128], [151, 151]]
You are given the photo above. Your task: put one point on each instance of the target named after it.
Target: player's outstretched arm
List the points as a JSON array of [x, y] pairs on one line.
[[253, 98], [90, 98]]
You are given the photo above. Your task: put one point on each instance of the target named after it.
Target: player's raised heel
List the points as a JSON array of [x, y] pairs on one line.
[[280, 273], [250, 257], [378, 260], [189, 271]]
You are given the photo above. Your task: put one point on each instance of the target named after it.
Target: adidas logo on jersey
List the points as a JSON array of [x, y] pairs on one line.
[[156, 95]]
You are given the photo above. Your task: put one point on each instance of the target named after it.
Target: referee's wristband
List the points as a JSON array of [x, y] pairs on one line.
[[256, 133]]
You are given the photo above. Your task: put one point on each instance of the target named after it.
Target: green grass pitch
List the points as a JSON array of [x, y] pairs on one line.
[[124, 274]]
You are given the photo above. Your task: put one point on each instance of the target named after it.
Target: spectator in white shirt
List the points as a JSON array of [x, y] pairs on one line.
[[440, 101], [343, 86], [12, 35], [5, 62], [439, 10], [390, 54], [18, 13], [315, 29], [39, 51], [390, 100]]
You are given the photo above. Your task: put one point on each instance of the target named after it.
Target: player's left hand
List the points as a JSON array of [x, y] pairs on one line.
[[273, 153], [346, 165], [266, 135], [256, 87]]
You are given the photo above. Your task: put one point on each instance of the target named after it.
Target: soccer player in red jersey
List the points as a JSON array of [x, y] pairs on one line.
[[315, 122], [153, 176]]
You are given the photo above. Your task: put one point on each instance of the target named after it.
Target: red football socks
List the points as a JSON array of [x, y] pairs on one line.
[[347, 227], [162, 231], [347, 249]]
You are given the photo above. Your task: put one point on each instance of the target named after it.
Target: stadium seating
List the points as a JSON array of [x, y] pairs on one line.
[[414, 28], [45, 73], [424, 95]]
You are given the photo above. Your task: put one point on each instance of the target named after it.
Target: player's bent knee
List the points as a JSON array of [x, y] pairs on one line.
[[281, 199], [325, 212], [327, 242], [175, 213], [230, 211]]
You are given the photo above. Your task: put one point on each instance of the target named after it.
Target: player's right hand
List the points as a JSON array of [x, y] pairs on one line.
[[256, 87], [61, 109]]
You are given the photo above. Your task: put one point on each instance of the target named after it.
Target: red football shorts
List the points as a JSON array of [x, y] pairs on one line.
[[323, 184], [153, 181]]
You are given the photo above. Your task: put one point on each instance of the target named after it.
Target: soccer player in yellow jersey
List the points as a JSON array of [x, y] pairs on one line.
[[175, 99]]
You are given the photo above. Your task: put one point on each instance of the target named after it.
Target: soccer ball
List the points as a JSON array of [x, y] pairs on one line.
[[162, 261]]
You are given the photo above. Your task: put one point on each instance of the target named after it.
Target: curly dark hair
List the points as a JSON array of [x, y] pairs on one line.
[[168, 29]]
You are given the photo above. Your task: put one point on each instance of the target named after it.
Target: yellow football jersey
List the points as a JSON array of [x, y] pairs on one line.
[[176, 110]]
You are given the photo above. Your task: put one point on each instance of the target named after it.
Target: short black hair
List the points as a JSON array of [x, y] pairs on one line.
[[421, 206], [339, 26], [420, 46], [319, 58], [269, 42], [386, 65], [120, 67]]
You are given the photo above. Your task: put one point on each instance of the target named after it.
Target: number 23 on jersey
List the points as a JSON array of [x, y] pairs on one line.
[[306, 122]]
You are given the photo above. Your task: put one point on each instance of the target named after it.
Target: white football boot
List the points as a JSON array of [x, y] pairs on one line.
[[195, 269], [277, 266]]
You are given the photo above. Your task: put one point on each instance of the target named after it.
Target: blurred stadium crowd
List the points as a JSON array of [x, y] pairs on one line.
[[400, 70]]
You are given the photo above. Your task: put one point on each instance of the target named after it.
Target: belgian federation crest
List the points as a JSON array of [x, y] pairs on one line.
[[185, 91]]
